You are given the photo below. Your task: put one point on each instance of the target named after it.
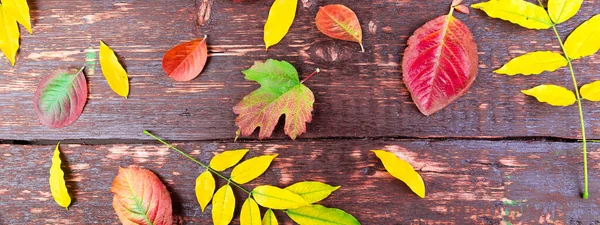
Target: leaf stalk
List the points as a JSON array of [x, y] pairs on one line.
[[311, 75]]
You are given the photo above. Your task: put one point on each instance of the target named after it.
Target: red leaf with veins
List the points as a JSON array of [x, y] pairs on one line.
[[186, 61], [340, 22]]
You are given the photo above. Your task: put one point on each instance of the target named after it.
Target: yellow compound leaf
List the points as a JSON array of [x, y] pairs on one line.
[[250, 214], [223, 206], [205, 188], [562, 10], [227, 159], [402, 170], [312, 191], [251, 168], [58, 185], [19, 10], [520, 12], [276, 198], [9, 34], [585, 40], [552, 94], [269, 218], [113, 71], [533, 63], [281, 17], [591, 91]]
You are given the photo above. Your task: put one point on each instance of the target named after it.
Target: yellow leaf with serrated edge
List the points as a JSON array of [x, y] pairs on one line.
[[591, 91], [113, 71], [223, 206], [269, 218], [312, 191], [9, 35], [552, 94], [19, 10], [58, 186], [276, 198], [585, 40], [402, 170], [205, 188], [533, 63], [562, 10], [227, 159], [250, 214], [251, 168], [281, 17], [520, 12]]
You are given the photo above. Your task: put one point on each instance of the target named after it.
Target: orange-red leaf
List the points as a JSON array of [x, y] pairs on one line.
[[140, 198], [340, 22], [186, 61], [440, 63], [462, 9]]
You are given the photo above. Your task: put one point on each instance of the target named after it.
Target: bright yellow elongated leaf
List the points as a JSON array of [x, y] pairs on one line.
[[276, 198], [402, 170], [113, 71], [58, 186], [227, 159], [562, 10], [585, 39], [533, 63], [281, 17], [520, 12], [9, 35], [312, 191], [552, 94], [269, 218], [205, 188], [251, 168], [223, 206], [321, 215], [19, 10], [250, 214], [591, 91]]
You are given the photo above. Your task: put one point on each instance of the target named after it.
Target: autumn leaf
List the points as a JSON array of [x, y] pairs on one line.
[[19, 10], [339, 22], [462, 9], [251, 168], [520, 12], [562, 10], [58, 185], [60, 98], [321, 215], [585, 40], [312, 191], [223, 206], [141, 198], [402, 170], [591, 91], [186, 61], [276, 198], [113, 71], [552, 94], [250, 214], [269, 218], [281, 92], [440, 63], [9, 34], [205, 188], [281, 17], [227, 159], [534, 63]]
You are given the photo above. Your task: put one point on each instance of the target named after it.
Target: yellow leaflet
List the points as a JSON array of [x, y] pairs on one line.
[[205, 188], [533, 63], [269, 218], [591, 91], [113, 71], [562, 10], [277, 198], [9, 34], [402, 170], [585, 40], [312, 191], [223, 206], [20, 11], [227, 159], [251, 168], [520, 12], [58, 185], [281, 17], [552, 94], [250, 214]]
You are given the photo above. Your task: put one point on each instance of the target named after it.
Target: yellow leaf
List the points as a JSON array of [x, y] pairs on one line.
[[9, 35], [251, 168], [520, 12], [402, 170], [552, 94], [269, 218], [276, 198], [562, 10], [227, 159], [533, 63], [585, 40], [281, 17], [321, 215], [223, 206], [205, 188], [312, 191], [113, 71], [591, 91], [58, 185], [19, 10], [250, 214]]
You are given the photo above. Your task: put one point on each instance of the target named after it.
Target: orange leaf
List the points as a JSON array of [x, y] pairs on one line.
[[186, 61], [462, 9], [339, 22]]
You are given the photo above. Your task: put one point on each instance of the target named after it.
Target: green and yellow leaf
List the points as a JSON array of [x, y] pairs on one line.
[[277, 198], [562, 10], [223, 206], [591, 91], [281, 17], [58, 185], [250, 214], [321, 215], [402, 170], [585, 40], [534, 63], [312, 191], [227, 159], [205, 188], [552, 94], [269, 218], [19, 10], [9, 35], [520, 12], [251, 168], [113, 71]]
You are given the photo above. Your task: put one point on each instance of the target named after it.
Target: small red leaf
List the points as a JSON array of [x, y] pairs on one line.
[[340, 22], [186, 61], [462, 9], [60, 98]]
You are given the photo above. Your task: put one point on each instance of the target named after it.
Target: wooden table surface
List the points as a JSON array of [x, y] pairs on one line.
[[493, 157]]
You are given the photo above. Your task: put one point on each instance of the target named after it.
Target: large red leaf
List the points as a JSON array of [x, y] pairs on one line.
[[60, 98], [440, 63], [186, 61]]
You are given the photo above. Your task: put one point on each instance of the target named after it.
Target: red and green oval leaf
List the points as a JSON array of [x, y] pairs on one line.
[[440, 63], [186, 61], [339, 22], [60, 98]]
